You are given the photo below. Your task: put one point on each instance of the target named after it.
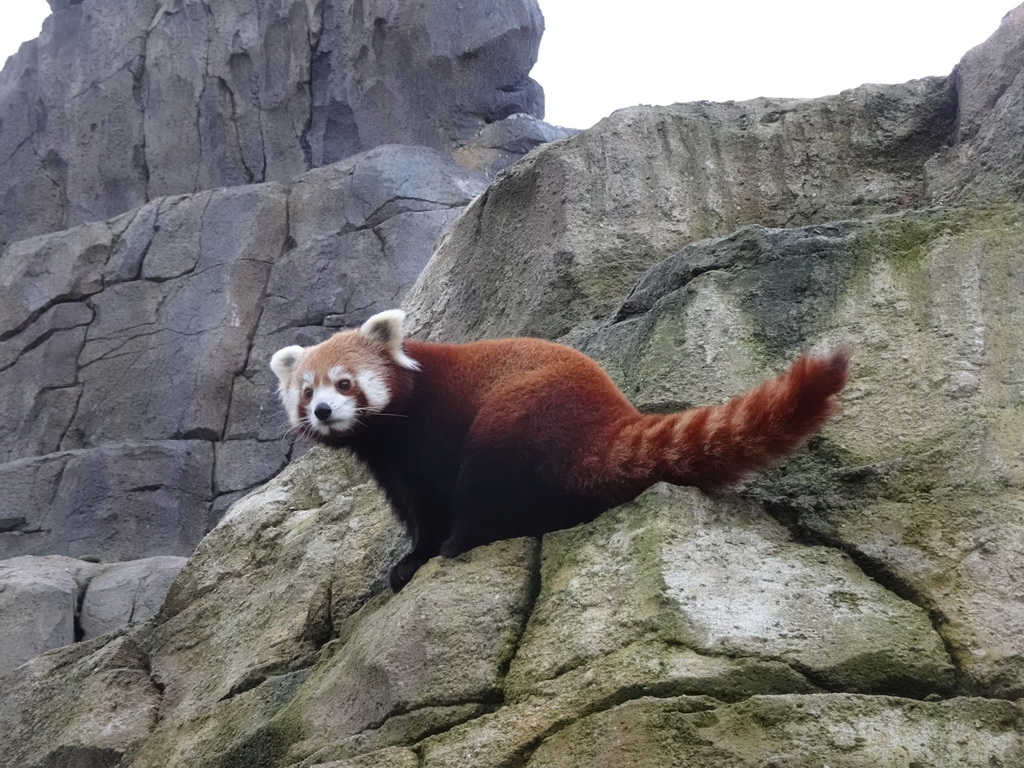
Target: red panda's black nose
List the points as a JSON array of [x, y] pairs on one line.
[[322, 411]]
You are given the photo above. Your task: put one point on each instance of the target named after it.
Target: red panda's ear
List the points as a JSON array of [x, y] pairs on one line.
[[386, 327], [284, 361]]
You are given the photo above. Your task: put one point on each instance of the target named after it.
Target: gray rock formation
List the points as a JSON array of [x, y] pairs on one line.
[[114, 106], [687, 172], [119, 501], [858, 605], [49, 602], [500, 144], [983, 161], [134, 380], [133, 349], [39, 599], [126, 593]]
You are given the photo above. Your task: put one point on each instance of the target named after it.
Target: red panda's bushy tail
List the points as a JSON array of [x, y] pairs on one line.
[[715, 446]]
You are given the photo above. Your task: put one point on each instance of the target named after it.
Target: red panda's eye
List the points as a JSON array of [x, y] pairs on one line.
[[344, 385], [307, 393]]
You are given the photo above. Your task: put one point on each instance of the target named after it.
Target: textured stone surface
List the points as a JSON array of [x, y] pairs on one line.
[[842, 731], [161, 355], [984, 161], [119, 501], [431, 73], [857, 606], [360, 233], [920, 477], [500, 144], [126, 593], [610, 202], [84, 706], [158, 325], [308, 578], [731, 583], [114, 106], [49, 602], [38, 602]]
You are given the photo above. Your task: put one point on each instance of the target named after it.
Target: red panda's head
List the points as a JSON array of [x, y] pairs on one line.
[[325, 389]]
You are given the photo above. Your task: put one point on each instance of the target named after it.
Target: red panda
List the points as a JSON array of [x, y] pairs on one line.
[[489, 440]]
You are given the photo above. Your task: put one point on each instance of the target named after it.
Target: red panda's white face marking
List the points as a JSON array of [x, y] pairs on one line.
[[325, 389]]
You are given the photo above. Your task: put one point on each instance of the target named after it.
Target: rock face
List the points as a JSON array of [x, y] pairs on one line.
[[187, 188], [49, 602], [687, 172], [858, 605], [115, 106], [135, 386]]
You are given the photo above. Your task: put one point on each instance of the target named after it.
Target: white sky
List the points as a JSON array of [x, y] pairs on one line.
[[598, 56]]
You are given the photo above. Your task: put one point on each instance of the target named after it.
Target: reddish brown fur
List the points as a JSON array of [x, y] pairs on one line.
[[716, 446], [520, 437]]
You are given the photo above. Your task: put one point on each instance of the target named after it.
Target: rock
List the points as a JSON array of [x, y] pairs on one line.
[[430, 75], [920, 481], [837, 730], [193, 308], [120, 501], [85, 706], [60, 5], [49, 602], [39, 602], [45, 283], [473, 622], [983, 162], [384, 758], [155, 327], [360, 233], [307, 579], [498, 145], [111, 108], [729, 583], [242, 464], [126, 593], [610, 202], [857, 605]]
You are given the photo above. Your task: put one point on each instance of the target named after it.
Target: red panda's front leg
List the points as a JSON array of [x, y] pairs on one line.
[[503, 496], [427, 532], [484, 505]]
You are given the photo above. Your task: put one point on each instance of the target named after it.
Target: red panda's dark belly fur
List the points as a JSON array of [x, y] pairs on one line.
[[520, 437], [456, 464]]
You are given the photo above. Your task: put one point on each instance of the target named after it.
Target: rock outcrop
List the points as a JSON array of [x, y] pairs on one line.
[[48, 602], [115, 106], [183, 186], [136, 394], [858, 605]]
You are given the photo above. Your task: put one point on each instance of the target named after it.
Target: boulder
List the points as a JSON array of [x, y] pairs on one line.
[[53, 601], [126, 593], [838, 730], [39, 598], [430, 74], [983, 161], [498, 145], [134, 352], [119, 501], [114, 107], [731, 583], [83, 707], [610, 202], [920, 477]]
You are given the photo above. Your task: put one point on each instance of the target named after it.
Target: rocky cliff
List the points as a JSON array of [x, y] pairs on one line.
[[859, 605], [114, 105], [238, 175]]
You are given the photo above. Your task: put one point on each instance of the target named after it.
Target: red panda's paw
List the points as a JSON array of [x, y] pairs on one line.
[[402, 573]]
